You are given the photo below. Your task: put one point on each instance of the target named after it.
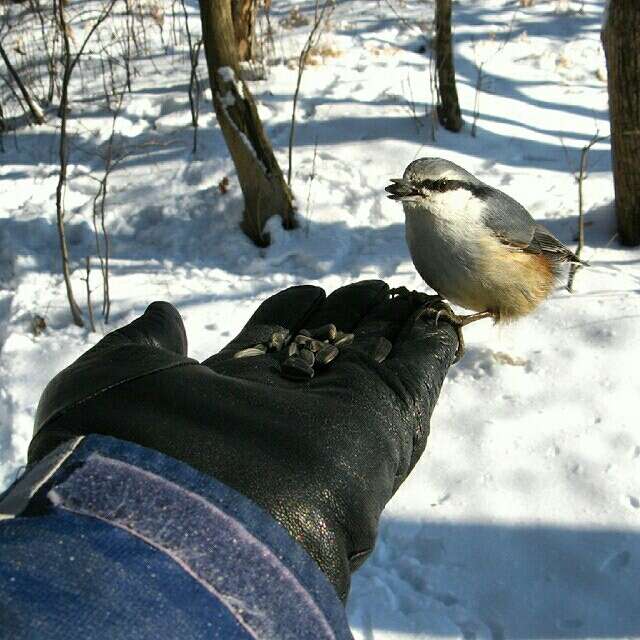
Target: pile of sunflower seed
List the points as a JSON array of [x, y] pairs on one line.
[[309, 350]]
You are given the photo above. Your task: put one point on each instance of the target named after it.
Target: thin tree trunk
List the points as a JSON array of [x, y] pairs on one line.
[[265, 191], [621, 41], [36, 111], [448, 105], [76, 314], [37, 9], [3, 128], [244, 19], [69, 62]]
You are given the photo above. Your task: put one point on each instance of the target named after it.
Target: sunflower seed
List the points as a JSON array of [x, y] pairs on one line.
[[295, 368], [381, 350], [307, 356], [343, 339], [292, 349], [303, 340], [258, 350], [325, 332], [277, 341], [304, 332], [315, 345], [327, 354]]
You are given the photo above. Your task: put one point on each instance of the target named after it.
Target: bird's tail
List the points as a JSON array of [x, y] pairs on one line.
[[543, 240], [572, 258]]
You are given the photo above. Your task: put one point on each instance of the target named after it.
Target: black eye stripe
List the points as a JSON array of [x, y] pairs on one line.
[[443, 185]]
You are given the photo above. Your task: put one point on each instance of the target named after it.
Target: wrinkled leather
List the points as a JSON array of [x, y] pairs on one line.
[[323, 457]]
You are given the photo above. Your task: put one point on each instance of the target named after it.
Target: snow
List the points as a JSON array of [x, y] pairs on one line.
[[522, 518], [228, 99], [227, 74]]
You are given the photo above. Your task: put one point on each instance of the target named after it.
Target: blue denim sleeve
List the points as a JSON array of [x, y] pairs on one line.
[[106, 539]]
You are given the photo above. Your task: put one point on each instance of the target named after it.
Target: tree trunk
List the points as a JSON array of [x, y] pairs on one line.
[[621, 41], [448, 106], [244, 18], [265, 191]]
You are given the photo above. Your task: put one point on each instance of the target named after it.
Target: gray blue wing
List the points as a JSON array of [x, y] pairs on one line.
[[507, 218], [515, 227]]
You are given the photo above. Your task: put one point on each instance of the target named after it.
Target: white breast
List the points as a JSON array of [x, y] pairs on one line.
[[448, 241]]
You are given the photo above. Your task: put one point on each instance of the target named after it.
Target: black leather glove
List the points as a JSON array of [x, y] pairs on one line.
[[322, 456]]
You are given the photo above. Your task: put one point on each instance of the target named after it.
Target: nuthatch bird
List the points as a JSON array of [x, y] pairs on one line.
[[474, 245]]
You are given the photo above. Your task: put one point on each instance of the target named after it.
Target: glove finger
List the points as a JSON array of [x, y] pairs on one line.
[[288, 309], [421, 356], [420, 342], [346, 306], [153, 342], [159, 326], [412, 356]]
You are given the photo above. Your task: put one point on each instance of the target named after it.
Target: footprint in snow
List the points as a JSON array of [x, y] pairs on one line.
[[617, 562]]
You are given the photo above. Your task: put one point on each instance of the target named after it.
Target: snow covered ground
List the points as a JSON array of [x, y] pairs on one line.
[[523, 518]]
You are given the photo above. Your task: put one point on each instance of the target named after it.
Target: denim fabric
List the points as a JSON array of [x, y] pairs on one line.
[[124, 542]]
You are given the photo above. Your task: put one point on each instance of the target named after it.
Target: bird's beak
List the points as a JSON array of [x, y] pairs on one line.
[[401, 189]]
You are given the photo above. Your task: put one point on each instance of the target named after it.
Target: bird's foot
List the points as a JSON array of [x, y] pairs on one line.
[[441, 310]]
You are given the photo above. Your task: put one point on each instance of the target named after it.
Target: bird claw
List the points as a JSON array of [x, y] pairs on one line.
[[436, 306], [440, 309]]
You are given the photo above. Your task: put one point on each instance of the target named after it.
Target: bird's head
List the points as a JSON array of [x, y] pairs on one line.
[[425, 178]]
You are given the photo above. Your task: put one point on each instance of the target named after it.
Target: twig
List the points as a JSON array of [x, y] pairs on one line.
[[433, 89], [3, 128], [99, 206], [580, 178], [311, 179], [126, 45], [141, 20], [312, 40], [15, 94], [476, 103], [268, 36], [69, 64], [51, 70], [92, 324], [412, 105], [174, 32], [476, 99], [36, 111], [480, 72], [194, 81], [406, 23], [194, 88]]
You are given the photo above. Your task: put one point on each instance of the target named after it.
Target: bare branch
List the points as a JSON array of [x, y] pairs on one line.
[[104, 14], [480, 71], [69, 62], [36, 7], [311, 179], [582, 174], [35, 110], [320, 15], [92, 324], [194, 81], [99, 207]]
